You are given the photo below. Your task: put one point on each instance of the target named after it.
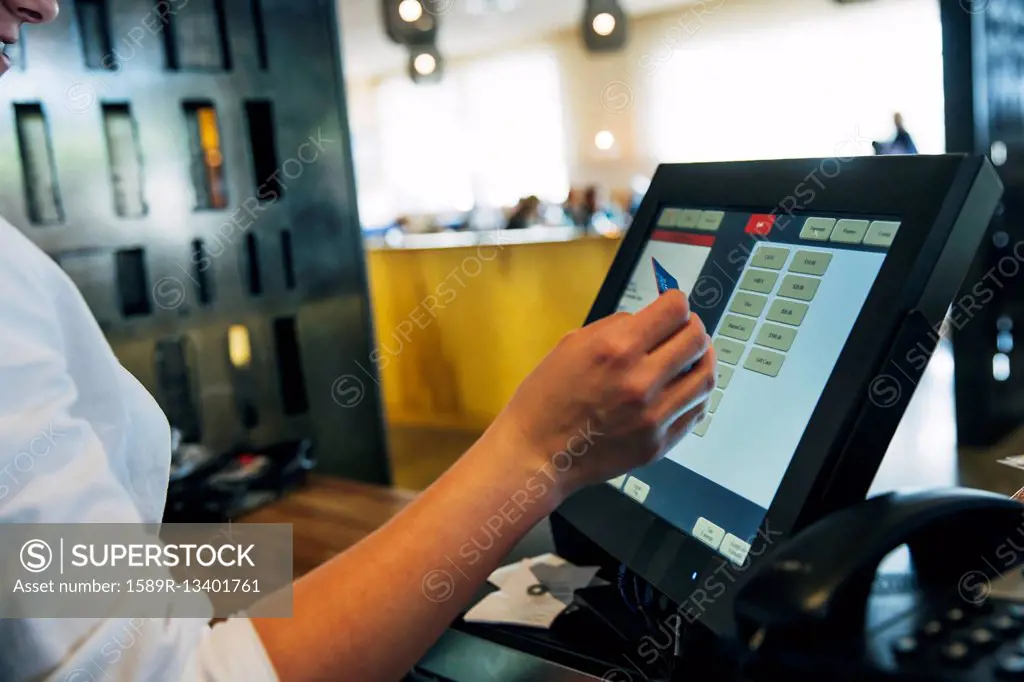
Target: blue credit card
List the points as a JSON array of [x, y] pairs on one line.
[[664, 279]]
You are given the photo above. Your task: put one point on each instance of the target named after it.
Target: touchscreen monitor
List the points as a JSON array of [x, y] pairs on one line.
[[779, 297]]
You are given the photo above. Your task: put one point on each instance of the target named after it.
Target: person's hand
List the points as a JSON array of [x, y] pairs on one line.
[[612, 396]]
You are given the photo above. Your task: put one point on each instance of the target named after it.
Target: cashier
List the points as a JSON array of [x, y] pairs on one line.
[[616, 384]]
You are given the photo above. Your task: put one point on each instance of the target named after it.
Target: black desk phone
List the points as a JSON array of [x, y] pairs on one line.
[[816, 611]]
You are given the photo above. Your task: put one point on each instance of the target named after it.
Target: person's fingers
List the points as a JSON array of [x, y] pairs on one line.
[[679, 353], [661, 319], [688, 390], [682, 426], [609, 320]]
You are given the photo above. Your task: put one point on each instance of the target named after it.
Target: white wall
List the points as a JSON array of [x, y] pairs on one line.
[[490, 133]]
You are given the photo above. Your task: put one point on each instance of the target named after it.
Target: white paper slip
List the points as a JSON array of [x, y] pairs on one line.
[[500, 575], [1017, 462], [537, 611], [523, 582], [563, 581], [532, 592]]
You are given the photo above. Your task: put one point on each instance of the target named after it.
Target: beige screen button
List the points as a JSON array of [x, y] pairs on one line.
[[734, 549], [669, 217], [737, 327], [748, 304], [636, 489], [723, 375], [817, 229], [617, 481], [761, 281], [881, 233], [810, 263], [803, 288], [708, 533], [710, 220], [702, 426], [787, 312], [688, 218], [774, 336], [850, 231], [716, 398], [770, 257], [728, 351], [764, 361]]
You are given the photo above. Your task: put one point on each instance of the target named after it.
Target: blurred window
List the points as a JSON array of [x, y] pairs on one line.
[[491, 132], [515, 122], [423, 146], [816, 87]]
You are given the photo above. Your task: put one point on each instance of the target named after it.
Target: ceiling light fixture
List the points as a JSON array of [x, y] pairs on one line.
[[410, 10], [604, 26], [408, 22], [425, 64]]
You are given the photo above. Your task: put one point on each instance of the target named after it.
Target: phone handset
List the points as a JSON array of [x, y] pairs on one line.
[[821, 580]]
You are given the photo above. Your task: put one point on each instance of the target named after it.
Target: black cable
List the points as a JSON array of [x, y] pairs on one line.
[[622, 589], [641, 604]]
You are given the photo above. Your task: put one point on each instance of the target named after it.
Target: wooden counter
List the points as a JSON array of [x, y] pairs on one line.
[[458, 328]]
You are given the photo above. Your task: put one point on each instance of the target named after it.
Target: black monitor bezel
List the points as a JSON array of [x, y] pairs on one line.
[[928, 194]]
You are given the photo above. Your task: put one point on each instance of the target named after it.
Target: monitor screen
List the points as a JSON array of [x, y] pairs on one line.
[[779, 296]]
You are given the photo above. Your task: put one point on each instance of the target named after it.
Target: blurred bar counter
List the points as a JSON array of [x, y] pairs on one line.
[[462, 318]]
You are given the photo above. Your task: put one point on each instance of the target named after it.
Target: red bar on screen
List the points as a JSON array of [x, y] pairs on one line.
[[683, 238]]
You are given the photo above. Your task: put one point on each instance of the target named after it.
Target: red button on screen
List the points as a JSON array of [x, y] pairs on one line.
[[760, 224]]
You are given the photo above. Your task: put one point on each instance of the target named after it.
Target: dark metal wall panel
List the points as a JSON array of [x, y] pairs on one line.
[[293, 65], [983, 52]]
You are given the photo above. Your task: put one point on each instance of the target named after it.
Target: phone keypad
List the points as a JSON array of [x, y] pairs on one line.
[[981, 641]]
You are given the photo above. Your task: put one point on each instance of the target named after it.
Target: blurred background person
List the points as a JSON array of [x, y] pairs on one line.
[[526, 214], [597, 214], [902, 143]]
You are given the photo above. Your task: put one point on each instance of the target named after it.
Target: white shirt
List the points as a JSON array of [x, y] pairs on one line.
[[82, 441]]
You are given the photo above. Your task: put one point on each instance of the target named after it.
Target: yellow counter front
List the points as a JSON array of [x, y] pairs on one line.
[[460, 324]]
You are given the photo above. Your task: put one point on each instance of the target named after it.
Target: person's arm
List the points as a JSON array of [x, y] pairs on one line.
[[365, 615], [609, 398]]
